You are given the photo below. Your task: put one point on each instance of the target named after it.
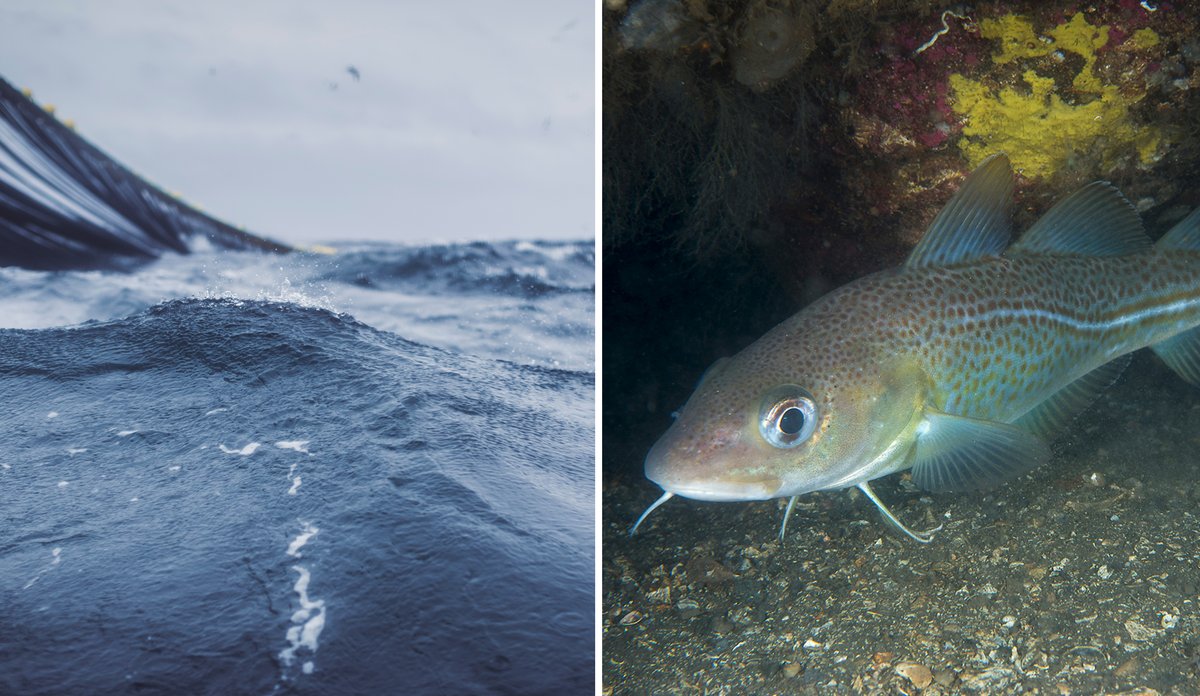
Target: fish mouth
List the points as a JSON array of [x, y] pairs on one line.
[[698, 492], [705, 481], [721, 491]]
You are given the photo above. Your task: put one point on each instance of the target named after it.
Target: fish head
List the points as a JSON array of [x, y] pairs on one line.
[[784, 418]]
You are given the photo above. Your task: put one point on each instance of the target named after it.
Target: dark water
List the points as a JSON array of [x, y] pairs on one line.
[[222, 495]]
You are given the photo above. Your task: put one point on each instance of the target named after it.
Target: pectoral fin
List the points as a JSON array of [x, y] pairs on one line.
[[955, 453]]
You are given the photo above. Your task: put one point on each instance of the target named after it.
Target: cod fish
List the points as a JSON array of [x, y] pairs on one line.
[[958, 365]]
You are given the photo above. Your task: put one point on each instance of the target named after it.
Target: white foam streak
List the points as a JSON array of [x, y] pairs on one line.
[[245, 451], [295, 445], [55, 559], [308, 620], [301, 539]]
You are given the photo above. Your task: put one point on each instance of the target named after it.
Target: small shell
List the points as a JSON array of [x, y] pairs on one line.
[[919, 675]]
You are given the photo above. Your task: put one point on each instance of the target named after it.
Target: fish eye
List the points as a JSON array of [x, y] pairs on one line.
[[791, 421], [788, 417]]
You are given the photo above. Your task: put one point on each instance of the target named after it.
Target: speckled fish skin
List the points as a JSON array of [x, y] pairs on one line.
[[990, 339]]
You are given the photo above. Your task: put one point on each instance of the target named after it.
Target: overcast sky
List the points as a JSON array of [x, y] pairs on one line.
[[472, 120]]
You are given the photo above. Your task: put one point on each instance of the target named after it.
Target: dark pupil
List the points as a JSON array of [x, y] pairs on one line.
[[792, 421]]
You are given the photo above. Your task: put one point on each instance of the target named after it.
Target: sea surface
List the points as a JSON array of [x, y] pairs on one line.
[[242, 473]]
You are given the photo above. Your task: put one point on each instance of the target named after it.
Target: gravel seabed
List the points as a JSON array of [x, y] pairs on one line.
[[1080, 578]]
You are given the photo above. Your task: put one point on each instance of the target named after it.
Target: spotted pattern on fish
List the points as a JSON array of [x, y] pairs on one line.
[[995, 336], [955, 365]]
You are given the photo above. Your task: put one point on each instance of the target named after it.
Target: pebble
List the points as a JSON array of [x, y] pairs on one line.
[[919, 675], [688, 608], [944, 677], [1140, 632], [633, 618], [791, 670], [1127, 668], [990, 680], [744, 616]]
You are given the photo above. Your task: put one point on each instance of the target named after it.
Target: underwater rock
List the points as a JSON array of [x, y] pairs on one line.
[[1046, 100], [657, 25], [692, 153], [773, 38]]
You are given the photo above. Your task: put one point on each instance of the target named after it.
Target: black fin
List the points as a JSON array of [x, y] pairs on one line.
[[65, 204]]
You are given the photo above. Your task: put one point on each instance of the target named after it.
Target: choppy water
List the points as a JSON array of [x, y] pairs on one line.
[[238, 473]]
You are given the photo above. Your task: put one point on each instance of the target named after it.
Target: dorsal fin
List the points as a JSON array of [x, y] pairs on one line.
[[1096, 220], [1185, 235], [975, 223]]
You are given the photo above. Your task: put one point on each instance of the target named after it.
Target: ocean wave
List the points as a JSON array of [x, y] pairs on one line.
[[455, 305], [518, 269], [222, 335], [286, 491]]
